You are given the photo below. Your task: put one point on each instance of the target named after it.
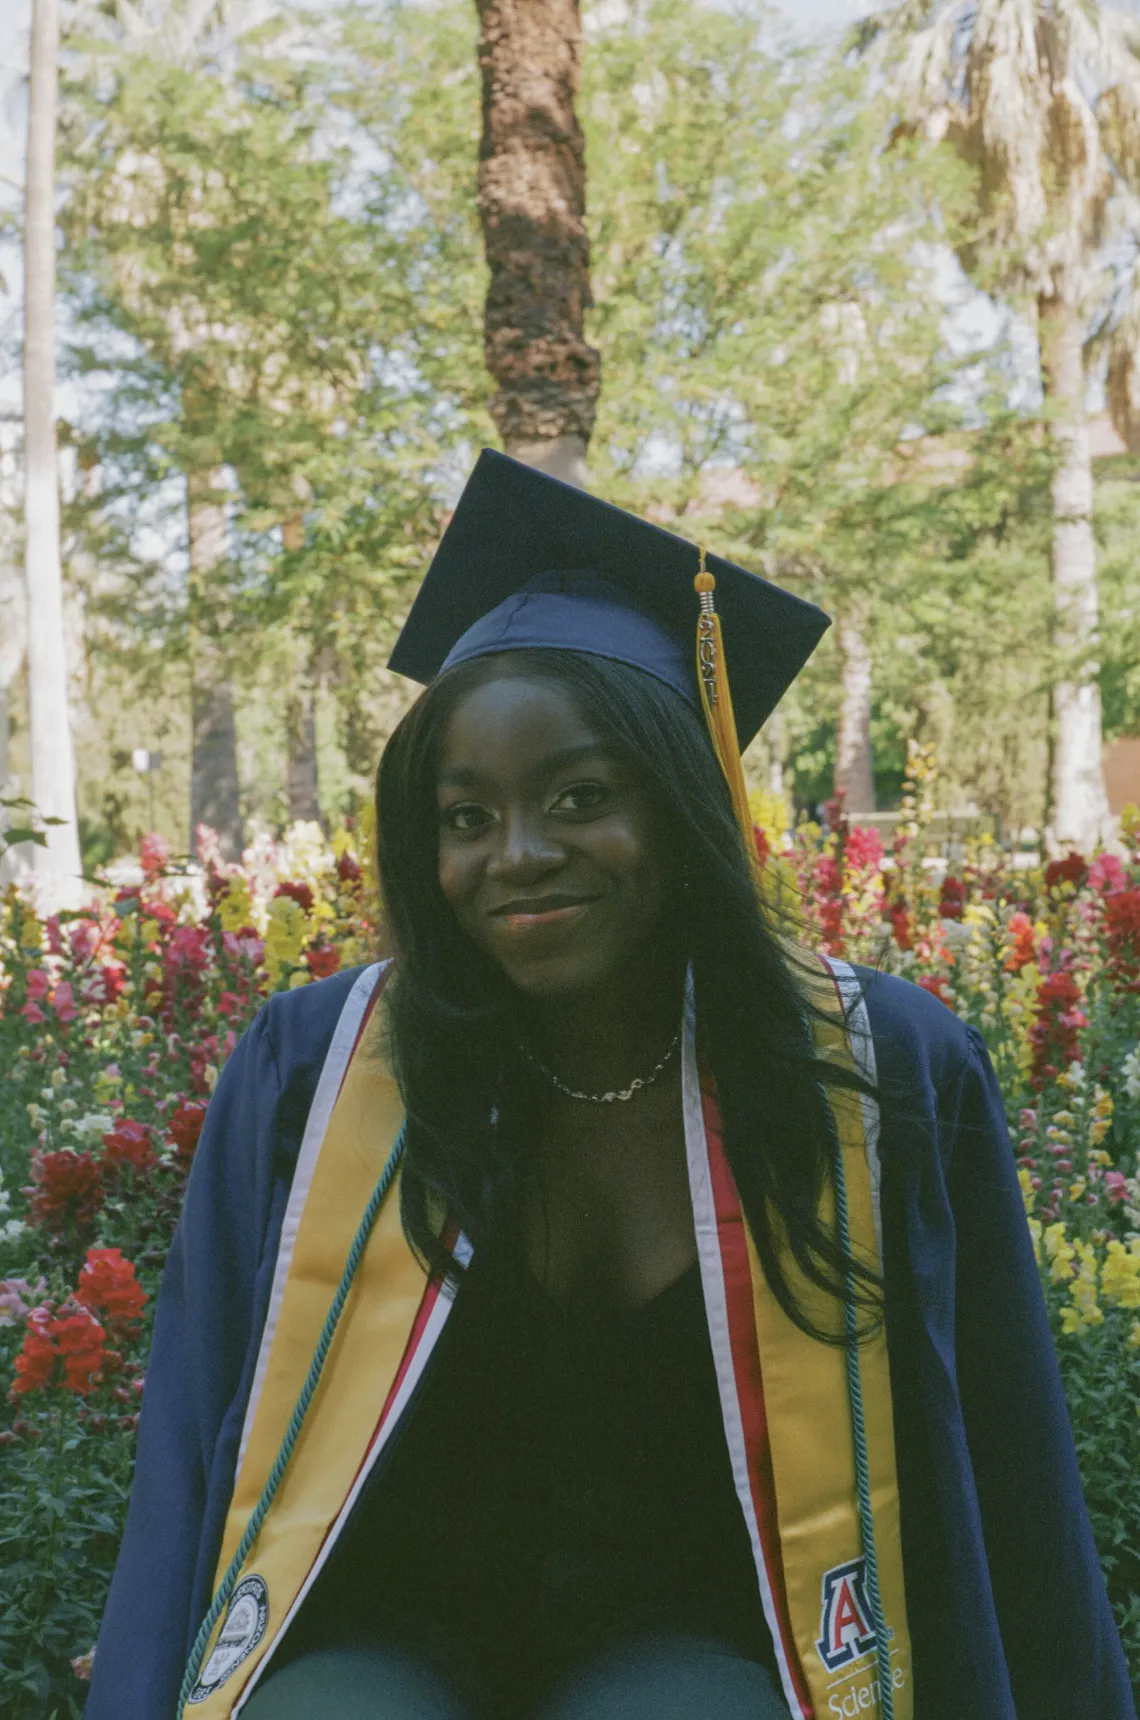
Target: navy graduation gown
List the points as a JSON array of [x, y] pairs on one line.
[[1008, 1614]]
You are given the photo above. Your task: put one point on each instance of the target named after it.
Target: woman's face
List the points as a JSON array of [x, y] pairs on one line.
[[550, 849]]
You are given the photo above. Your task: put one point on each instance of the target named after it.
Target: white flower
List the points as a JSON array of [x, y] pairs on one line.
[[95, 1123], [12, 1231], [1130, 1069]]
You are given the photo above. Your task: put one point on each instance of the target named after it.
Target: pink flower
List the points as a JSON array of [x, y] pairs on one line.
[[39, 985], [17, 1298], [154, 854], [33, 1013], [1106, 874], [85, 939], [63, 1001], [244, 946], [864, 847], [1115, 1187], [128, 1144]]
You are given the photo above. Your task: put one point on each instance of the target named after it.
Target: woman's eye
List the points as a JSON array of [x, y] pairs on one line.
[[582, 797], [467, 816]]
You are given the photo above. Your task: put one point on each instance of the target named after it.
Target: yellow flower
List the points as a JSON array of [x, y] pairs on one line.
[[770, 812], [1134, 1340], [235, 908], [1035, 1233], [285, 936], [780, 890], [1028, 1194], [1120, 1279], [31, 933], [1077, 1188]]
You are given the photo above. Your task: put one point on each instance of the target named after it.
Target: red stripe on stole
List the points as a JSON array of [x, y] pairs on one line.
[[427, 1303], [750, 1383]]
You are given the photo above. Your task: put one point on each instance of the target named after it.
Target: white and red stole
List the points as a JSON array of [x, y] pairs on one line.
[[783, 1395]]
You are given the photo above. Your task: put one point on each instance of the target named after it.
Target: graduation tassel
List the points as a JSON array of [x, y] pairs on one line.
[[716, 700]]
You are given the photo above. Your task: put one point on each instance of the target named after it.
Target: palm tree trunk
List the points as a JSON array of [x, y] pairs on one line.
[[1080, 801], [53, 754], [214, 796], [532, 203], [854, 764]]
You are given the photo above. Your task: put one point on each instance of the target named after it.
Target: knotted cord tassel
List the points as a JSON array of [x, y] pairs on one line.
[[716, 701]]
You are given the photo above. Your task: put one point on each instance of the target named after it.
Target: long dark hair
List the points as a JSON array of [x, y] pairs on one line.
[[452, 1015]]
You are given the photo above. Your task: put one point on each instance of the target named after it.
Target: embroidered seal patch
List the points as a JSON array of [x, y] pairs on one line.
[[246, 1618]]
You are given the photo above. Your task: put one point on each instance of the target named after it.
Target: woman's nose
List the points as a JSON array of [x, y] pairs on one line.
[[525, 848]]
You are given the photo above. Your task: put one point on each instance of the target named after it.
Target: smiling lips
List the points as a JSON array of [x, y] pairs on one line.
[[526, 916]]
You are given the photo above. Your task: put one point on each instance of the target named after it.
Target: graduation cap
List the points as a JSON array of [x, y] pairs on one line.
[[528, 561]]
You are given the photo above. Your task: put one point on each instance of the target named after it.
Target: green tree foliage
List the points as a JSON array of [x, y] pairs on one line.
[[776, 365], [271, 264], [275, 264]]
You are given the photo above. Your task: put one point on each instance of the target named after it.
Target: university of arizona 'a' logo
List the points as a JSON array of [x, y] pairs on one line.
[[845, 1630]]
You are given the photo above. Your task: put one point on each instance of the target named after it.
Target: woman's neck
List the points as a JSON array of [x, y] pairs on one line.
[[606, 1037]]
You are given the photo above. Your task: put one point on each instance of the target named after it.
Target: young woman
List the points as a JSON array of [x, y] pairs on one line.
[[697, 1365]]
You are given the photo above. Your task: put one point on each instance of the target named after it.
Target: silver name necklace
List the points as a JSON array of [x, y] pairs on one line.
[[619, 1095]]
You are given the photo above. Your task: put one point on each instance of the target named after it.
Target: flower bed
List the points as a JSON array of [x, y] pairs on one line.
[[116, 1020]]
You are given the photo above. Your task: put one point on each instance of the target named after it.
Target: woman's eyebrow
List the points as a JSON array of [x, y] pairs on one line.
[[468, 776]]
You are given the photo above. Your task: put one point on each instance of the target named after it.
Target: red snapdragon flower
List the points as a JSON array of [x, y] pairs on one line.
[[107, 1284], [322, 961], [1023, 951], [301, 893], [1122, 930], [183, 1127], [73, 1337], [936, 986], [80, 1341], [1053, 1037], [1073, 869], [864, 849], [103, 984], [36, 1362], [129, 1143], [348, 869], [952, 900], [66, 1192], [899, 916]]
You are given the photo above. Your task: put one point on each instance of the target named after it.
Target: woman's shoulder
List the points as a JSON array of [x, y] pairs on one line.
[[300, 1024], [276, 1065], [918, 1040]]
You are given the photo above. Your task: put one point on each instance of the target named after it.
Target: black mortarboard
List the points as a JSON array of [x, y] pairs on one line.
[[530, 561]]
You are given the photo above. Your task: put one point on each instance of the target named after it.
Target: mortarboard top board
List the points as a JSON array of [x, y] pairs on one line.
[[530, 561]]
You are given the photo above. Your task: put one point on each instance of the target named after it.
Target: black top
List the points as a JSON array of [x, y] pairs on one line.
[[562, 1481]]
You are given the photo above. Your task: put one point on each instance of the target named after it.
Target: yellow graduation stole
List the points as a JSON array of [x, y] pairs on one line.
[[784, 1399]]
